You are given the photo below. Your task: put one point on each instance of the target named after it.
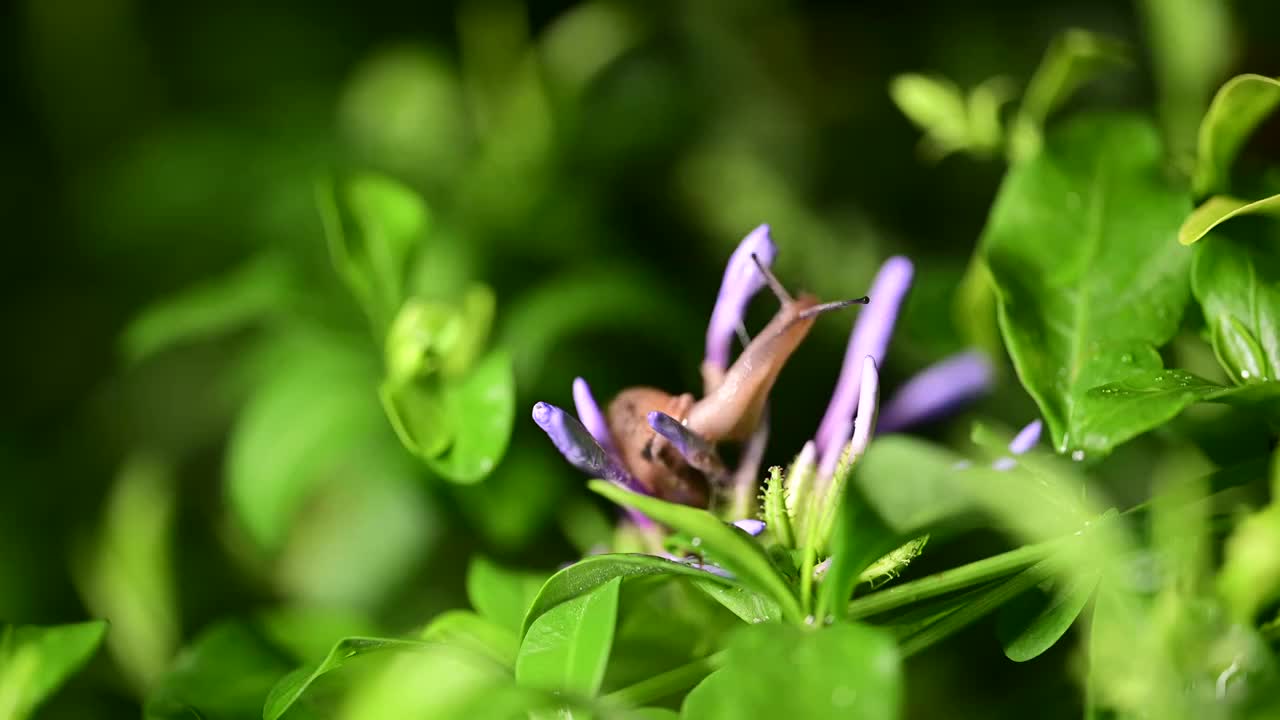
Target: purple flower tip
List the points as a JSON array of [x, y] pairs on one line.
[[1004, 464], [938, 389], [871, 334], [742, 280], [592, 419], [578, 447], [751, 526], [1026, 438]]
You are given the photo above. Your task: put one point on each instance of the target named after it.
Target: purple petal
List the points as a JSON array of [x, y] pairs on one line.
[[938, 389], [699, 453], [591, 417], [578, 447], [1026, 438], [871, 334], [1004, 464], [751, 526], [868, 403], [742, 280]]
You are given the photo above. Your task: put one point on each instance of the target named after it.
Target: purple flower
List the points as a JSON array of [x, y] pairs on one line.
[[815, 481], [1026, 438], [938, 389], [579, 447], [591, 417], [742, 280], [1022, 443], [871, 333]]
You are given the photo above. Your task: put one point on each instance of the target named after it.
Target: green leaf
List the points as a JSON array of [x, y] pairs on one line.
[[1073, 59], [784, 671], [936, 106], [567, 648], [731, 548], [465, 629], [1191, 48], [1239, 106], [911, 483], [126, 572], [501, 595], [1219, 209], [751, 606], [1089, 281], [307, 632], [860, 537], [36, 660], [1238, 284], [591, 572], [225, 674], [1033, 622], [428, 337], [302, 419], [292, 686], [389, 219], [481, 407], [210, 308], [1150, 399], [417, 413]]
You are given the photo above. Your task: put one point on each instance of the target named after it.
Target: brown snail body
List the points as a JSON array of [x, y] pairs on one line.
[[730, 409]]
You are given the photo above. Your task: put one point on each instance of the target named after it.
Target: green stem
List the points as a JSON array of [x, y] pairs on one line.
[[975, 610], [947, 581], [668, 683]]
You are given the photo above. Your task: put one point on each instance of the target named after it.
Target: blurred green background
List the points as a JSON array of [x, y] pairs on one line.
[[192, 428]]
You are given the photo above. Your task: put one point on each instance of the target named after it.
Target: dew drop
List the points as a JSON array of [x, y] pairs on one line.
[[1126, 358], [1245, 374], [1077, 455], [696, 542], [810, 620]]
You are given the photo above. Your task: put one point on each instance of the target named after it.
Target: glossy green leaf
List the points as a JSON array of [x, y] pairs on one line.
[[595, 570], [1089, 280], [465, 629], [1034, 621], [749, 605], [911, 483], [225, 674], [1073, 59], [36, 660], [1118, 411], [481, 406], [291, 687], [205, 310], [1239, 106], [502, 595], [427, 337], [784, 671], [1238, 285], [1219, 209], [567, 647], [728, 546]]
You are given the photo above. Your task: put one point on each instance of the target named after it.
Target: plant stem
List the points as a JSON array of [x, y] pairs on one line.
[[975, 610], [975, 573], [667, 683]]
